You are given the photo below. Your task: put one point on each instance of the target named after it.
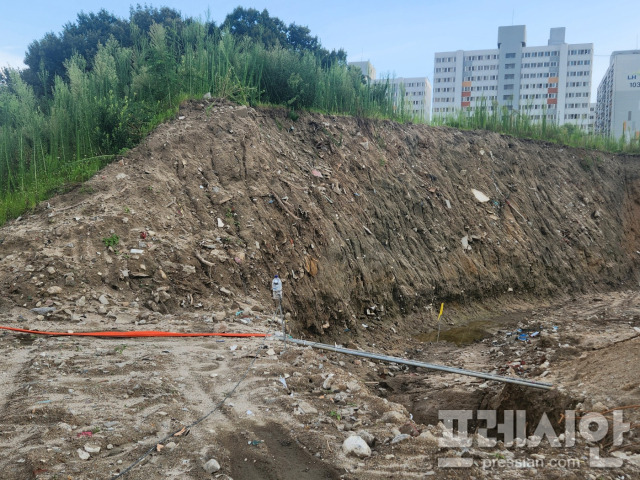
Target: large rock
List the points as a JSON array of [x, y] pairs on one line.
[[367, 437], [393, 417], [355, 445], [212, 466]]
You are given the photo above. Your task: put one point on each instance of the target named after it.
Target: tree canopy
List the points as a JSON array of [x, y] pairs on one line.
[[46, 58]]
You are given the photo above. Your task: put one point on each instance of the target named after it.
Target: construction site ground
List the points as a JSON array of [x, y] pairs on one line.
[[372, 226]]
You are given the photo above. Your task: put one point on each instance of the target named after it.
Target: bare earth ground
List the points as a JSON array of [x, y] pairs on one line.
[[124, 395], [364, 221]]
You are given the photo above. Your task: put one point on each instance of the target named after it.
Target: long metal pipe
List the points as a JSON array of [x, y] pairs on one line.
[[413, 363]]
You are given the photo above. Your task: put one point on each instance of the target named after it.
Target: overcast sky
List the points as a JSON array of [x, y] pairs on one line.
[[398, 37]]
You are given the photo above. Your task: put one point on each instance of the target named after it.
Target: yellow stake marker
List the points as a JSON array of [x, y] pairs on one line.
[[441, 309]]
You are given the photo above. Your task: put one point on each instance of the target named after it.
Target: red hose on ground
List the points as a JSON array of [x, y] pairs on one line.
[[148, 333]]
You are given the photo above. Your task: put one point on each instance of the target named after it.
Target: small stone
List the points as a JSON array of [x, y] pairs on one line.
[[400, 438], [55, 290], [43, 310], [326, 385], [220, 223], [69, 281], [600, 407], [92, 448], [353, 386], [81, 302], [212, 466], [103, 300], [220, 327], [356, 446], [427, 437], [225, 291], [83, 455], [51, 270], [306, 408], [271, 352], [393, 417]]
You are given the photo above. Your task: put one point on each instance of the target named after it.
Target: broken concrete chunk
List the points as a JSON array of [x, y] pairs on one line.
[[356, 446]]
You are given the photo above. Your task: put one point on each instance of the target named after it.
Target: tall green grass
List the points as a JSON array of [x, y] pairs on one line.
[[520, 124], [96, 111]]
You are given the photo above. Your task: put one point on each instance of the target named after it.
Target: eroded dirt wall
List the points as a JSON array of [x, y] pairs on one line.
[[353, 214]]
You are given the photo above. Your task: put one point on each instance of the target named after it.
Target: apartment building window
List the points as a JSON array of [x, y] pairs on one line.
[[586, 51], [509, 86], [509, 66], [507, 97], [509, 76], [510, 55]]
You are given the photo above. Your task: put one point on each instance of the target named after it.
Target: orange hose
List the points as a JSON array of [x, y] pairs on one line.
[[147, 333]]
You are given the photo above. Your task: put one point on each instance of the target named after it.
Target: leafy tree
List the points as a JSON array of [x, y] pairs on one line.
[[45, 58], [259, 26], [145, 17], [299, 38]]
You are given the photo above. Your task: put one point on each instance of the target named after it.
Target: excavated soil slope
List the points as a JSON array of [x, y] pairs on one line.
[[361, 219]]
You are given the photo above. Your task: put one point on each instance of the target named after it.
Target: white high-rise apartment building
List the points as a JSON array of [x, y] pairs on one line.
[[552, 80], [618, 107], [367, 69], [412, 94]]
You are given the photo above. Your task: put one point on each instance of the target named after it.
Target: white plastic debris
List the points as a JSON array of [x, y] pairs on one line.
[[481, 197]]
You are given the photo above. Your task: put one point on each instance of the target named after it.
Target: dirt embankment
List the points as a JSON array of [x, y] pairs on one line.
[[366, 221]]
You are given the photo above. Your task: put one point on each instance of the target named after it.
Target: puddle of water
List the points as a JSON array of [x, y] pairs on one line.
[[464, 335]]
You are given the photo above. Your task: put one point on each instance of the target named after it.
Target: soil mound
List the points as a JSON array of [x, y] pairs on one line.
[[364, 220]]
